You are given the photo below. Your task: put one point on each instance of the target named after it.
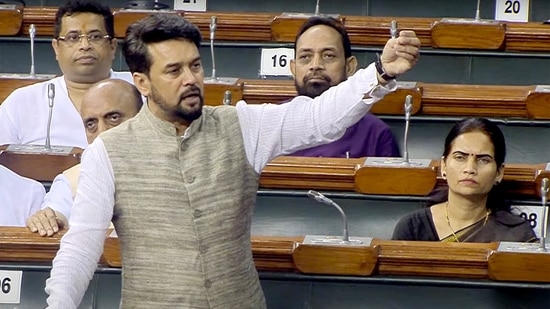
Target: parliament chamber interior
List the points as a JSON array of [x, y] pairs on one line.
[[500, 71]]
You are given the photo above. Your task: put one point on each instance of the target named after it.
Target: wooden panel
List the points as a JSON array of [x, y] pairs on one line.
[[40, 167], [422, 258], [8, 85], [245, 26], [538, 104], [214, 93], [396, 180], [10, 21], [123, 18], [363, 30], [374, 30], [311, 173], [448, 33], [43, 19], [512, 266], [527, 37], [404, 258], [474, 100], [335, 260]]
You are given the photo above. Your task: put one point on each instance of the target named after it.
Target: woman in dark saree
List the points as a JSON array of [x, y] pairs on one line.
[[472, 208]]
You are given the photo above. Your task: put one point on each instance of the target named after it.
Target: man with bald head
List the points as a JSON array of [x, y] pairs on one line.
[[105, 105]]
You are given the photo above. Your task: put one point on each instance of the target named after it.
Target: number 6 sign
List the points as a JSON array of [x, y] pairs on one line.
[[512, 10], [10, 287]]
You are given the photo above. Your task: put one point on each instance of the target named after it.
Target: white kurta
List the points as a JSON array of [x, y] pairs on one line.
[[20, 197], [24, 115]]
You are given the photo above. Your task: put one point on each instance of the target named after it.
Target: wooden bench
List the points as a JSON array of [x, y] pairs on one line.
[[277, 27], [429, 99], [404, 258]]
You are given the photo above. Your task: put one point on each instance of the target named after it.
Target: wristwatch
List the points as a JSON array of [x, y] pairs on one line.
[[380, 69]]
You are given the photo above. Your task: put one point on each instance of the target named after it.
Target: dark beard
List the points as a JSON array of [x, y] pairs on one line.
[[311, 89], [179, 112]]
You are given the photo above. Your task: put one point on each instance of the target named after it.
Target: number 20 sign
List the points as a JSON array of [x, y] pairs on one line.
[[512, 10]]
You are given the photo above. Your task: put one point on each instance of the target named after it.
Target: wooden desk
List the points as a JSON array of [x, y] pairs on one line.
[[363, 30]]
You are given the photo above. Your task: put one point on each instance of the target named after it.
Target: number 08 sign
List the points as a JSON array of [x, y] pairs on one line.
[[512, 10]]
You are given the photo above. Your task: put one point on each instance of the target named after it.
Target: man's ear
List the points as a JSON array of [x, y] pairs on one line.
[[293, 68], [113, 46], [55, 46], [351, 66], [142, 83]]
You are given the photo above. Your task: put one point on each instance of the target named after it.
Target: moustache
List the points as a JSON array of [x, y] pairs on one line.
[[191, 91], [317, 76]]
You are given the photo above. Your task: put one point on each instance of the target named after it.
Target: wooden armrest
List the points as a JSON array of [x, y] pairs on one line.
[[40, 167], [43, 19], [8, 85], [310, 173], [532, 36], [11, 21], [374, 30]]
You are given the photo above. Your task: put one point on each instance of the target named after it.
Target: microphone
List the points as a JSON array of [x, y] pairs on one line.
[[51, 96], [393, 29], [32, 34], [213, 26], [544, 225], [317, 8], [325, 200], [477, 18], [408, 110], [227, 98]]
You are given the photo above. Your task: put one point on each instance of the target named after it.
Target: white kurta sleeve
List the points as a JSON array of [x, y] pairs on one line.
[[82, 246], [270, 130], [60, 196]]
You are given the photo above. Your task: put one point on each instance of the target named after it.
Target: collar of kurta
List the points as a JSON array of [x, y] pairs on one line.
[[167, 128]]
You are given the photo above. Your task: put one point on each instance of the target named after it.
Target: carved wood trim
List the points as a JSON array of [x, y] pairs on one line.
[[363, 30], [10, 21]]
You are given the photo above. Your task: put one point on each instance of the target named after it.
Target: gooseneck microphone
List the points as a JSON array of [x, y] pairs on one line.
[[544, 225], [317, 8], [213, 26], [408, 110], [477, 18], [227, 97], [32, 34], [51, 96], [325, 200]]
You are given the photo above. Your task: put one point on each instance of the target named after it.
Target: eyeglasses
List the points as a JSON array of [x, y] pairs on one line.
[[73, 38]]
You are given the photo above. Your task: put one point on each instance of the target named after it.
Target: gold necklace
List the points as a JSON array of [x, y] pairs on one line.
[[449, 221]]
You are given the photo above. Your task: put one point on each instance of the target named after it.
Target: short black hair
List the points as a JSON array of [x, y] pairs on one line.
[[85, 6], [330, 22], [153, 29]]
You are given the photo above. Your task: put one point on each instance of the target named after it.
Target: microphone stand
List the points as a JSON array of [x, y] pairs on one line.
[[544, 226], [32, 33], [317, 8], [214, 79], [51, 96], [408, 110], [327, 240], [213, 26]]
